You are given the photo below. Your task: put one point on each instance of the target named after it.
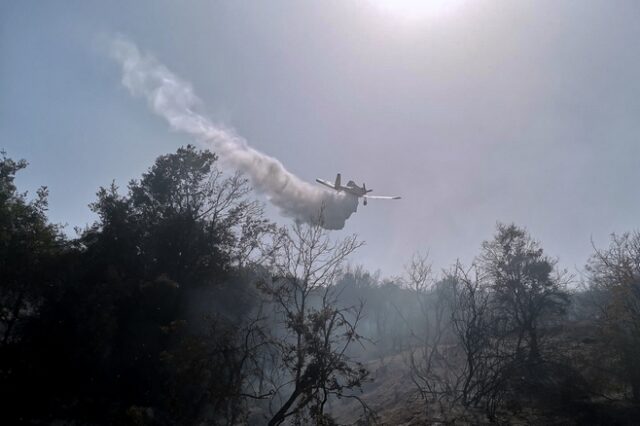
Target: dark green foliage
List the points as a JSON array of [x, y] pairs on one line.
[[30, 251], [28, 247], [103, 319]]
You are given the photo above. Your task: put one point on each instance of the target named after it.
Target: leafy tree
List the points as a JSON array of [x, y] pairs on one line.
[[141, 288], [171, 241], [193, 220], [29, 245], [32, 258], [614, 276], [527, 288]]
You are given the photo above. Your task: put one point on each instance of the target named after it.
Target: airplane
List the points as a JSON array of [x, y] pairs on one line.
[[353, 189]]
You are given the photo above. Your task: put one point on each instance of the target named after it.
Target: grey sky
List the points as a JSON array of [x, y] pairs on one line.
[[498, 111]]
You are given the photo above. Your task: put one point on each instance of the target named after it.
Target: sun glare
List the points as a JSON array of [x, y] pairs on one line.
[[419, 9]]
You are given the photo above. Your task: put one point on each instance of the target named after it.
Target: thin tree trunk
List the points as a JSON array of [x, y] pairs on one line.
[[534, 350], [279, 417]]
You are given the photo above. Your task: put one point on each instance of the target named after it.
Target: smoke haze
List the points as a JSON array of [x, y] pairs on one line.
[[174, 99]]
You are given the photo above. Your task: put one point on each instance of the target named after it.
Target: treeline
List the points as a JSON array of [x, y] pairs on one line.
[[183, 304]]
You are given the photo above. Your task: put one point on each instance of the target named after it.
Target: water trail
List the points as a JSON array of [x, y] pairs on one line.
[[174, 99]]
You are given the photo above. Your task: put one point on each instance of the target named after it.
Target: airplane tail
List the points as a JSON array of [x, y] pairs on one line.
[[337, 184]]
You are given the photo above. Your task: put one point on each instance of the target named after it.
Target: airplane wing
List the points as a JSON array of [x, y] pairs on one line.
[[383, 197], [325, 183]]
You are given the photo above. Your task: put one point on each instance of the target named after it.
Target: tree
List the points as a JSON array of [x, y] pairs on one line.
[[527, 288], [461, 358], [431, 369], [217, 373], [32, 262], [317, 331], [143, 303], [486, 357], [29, 246], [614, 277], [197, 220], [171, 242]]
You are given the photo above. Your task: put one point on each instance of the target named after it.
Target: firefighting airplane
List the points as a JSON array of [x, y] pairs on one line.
[[353, 189]]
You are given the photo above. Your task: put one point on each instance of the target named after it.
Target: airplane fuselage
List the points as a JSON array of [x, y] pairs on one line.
[[353, 189]]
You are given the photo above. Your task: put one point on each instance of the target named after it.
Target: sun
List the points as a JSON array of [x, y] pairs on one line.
[[419, 9]]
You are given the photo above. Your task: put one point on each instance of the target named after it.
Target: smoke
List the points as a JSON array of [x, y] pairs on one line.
[[174, 99]]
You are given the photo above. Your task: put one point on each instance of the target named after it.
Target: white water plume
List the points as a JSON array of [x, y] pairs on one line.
[[174, 99]]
